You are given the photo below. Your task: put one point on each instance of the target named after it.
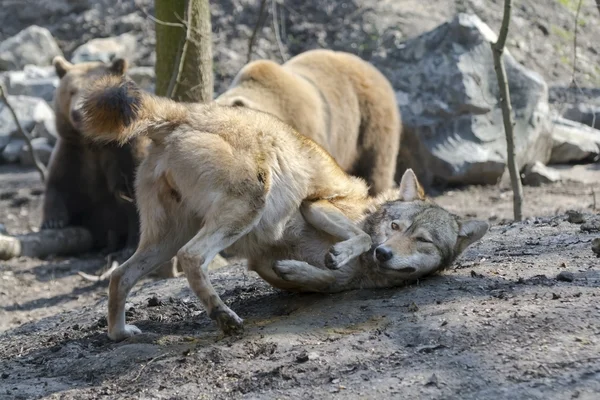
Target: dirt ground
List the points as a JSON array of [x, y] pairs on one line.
[[499, 324]]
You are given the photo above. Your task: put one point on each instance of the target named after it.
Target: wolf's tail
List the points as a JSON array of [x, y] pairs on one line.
[[116, 110]]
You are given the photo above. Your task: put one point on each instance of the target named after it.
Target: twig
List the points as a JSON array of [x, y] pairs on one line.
[[575, 42], [276, 29], [598, 5], [498, 52], [36, 162], [156, 20], [175, 78], [594, 195], [105, 275], [148, 363], [259, 23]]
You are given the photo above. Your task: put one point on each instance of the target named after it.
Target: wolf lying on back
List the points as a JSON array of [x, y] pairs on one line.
[[221, 177]]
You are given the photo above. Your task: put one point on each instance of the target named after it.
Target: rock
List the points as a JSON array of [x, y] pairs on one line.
[[537, 174], [32, 81], [46, 128], [565, 276], [596, 246], [105, 49], [587, 114], [30, 111], [448, 95], [11, 152], [42, 150], [33, 45], [573, 142], [591, 224], [144, 77], [575, 217]]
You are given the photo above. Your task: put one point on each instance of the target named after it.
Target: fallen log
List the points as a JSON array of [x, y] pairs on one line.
[[67, 241]]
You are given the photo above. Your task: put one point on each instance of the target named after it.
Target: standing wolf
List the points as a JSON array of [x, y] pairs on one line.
[[229, 177], [338, 100]]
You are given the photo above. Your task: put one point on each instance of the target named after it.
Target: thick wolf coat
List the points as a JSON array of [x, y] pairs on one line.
[[228, 177], [338, 100]]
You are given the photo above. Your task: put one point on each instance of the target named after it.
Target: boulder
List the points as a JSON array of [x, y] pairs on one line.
[[12, 151], [537, 174], [144, 77], [32, 81], [41, 148], [588, 114], [105, 49], [33, 45], [452, 120], [30, 112], [573, 142]]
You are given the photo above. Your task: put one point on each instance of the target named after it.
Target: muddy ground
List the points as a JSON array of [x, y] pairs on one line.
[[499, 324]]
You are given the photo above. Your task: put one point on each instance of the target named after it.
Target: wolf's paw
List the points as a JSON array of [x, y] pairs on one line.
[[126, 332], [285, 271], [228, 321], [339, 254]]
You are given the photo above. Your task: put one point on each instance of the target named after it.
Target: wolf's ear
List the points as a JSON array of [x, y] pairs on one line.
[[118, 66], [410, 188], [61, 66], [470, 232]]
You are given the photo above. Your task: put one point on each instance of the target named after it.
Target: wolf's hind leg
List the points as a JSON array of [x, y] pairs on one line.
[[221, 229], [326, 217]]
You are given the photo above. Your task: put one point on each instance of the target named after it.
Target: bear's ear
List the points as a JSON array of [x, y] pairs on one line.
[[61, 66], [118, 66]]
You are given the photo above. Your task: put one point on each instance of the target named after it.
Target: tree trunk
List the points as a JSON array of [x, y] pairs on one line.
[[41, 244], [184, 50], [513, 168]]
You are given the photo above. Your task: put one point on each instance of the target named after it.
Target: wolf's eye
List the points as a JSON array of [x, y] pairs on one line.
[[423, 239], [395, 226]]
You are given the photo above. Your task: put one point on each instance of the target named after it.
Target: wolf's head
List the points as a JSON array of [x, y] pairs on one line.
[[413, 237]]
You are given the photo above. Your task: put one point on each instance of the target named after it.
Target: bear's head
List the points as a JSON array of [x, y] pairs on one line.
[[74, 80]]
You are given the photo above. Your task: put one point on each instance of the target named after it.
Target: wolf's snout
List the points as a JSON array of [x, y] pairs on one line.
[[383, 253]]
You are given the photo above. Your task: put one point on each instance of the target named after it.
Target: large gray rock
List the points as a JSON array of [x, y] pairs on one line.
[[448, 95], [12, 151], [32, 81], [537, 174], [145, 77], [33, 45], [105, 49], [30, 112], [42, 150], [588, 114], [573, 142]]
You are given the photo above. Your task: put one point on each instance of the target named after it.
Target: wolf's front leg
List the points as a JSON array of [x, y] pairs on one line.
[[304, 276], [325, 216]]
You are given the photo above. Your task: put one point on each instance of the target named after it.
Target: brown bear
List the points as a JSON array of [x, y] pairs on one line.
[[90, 185], [337, 99]]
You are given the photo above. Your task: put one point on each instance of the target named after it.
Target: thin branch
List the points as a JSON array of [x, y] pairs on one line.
[[513, 168], [156, 20], [259, 23], [180, 62], [575, 41], [105, 275], [36, 162], [598, 5], [276, 29], [148, 363]]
